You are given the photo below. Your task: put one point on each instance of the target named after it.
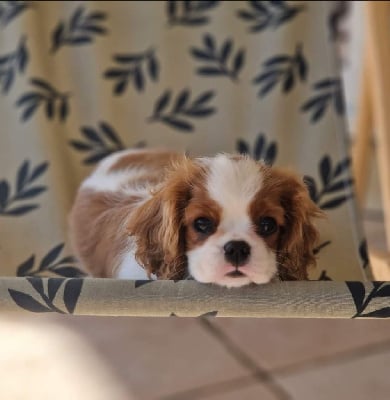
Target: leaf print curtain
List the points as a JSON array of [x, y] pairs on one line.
[[80, 80]]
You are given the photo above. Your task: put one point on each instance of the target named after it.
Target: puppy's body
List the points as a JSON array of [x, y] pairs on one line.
[[105, 202], [226, 219]]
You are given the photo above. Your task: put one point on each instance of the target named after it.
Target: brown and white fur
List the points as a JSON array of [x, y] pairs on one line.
[[227, 219]]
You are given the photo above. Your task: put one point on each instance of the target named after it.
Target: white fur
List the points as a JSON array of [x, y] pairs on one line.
[[102, 179], [233, 183], [130, 269]]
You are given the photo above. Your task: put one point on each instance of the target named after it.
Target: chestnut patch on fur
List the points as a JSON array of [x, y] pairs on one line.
[[200, 205], [158, 226], [284, 197]]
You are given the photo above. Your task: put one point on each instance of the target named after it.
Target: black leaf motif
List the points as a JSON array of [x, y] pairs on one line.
[[76, 17], [332, 184], [384, 291], [68, 259], [267, 152], [340, 185], [110, 134], [154, 67], [210, 71], [317, 249], [181, 101], [189, 13], [324, 276], [342, 166], [37, 284], [177, 123], [23, 190], [38, 171], [99, 142], [27, 302], [259, 146], [4, 193], [242, 147], [91, 135], [68, 272], [55, 103], [380, 289], [11, 64], [29, 111], [81, 146], [226, 49], [162, 102], [26, 267], [203, 98], [209, 314], [358, 293], [263, 15], [284, 69], [82, 28], [328, 91], [18, 211], [49, 264], [182, 108], [363, 252], [381, 313], [22, 176], [53, 285], [72, 291], [51, 256], [336, 16], [325, 170], [11, 9], [218, 58], [336, 202], [238, 62], [50, 109], [27, 194], [138, 80], [133, 66], [95, 158], [43, 85], [140, 283]]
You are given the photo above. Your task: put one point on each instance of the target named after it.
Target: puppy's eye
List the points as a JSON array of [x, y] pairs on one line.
[[267, 226], [204, 225]]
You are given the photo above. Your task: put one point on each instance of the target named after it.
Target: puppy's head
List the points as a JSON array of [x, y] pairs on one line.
[[227, 220]]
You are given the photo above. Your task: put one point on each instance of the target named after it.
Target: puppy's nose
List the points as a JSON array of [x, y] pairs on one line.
[[237, 252]]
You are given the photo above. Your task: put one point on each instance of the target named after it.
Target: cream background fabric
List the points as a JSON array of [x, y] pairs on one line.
[[240, 114]]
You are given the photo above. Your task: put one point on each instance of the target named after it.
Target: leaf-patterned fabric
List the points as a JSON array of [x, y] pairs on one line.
[[80, 80]]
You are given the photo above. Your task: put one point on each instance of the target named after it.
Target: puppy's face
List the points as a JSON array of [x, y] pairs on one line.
[[229, 221]]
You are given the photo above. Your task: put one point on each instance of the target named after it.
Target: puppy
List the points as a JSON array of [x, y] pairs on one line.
[[227, 220]]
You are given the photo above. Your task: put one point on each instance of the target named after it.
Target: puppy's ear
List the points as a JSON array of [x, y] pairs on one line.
[[299, 235], [157, 225]]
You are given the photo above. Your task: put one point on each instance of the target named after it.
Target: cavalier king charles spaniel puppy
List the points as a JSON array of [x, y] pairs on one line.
[[227, 220]]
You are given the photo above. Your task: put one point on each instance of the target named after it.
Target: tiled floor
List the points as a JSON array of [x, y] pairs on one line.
[[90, 358]]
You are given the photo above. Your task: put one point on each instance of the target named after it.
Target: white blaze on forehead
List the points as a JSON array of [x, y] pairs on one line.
[[233, 185]]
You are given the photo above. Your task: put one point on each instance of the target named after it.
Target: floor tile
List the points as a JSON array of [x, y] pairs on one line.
[[45, 361], [278, 343], [255, 391], [158, 356], [245, 387], [357, 379]]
